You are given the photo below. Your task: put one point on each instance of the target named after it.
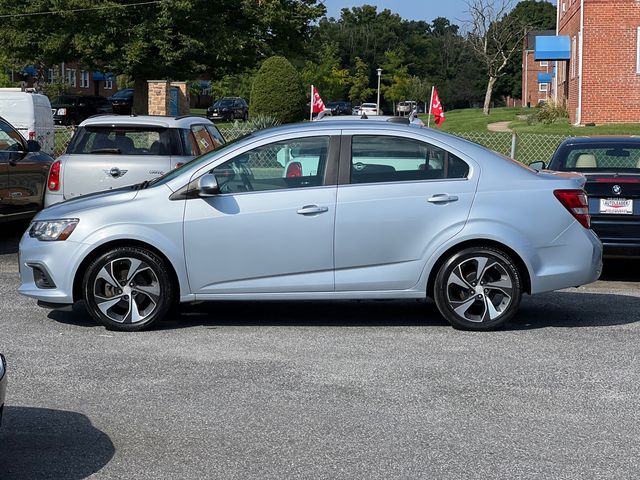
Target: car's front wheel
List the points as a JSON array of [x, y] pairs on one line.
[[478, 288], [128, 289]]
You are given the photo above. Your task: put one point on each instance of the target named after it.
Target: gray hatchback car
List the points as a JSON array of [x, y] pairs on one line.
[[113, 151], [385, 211]]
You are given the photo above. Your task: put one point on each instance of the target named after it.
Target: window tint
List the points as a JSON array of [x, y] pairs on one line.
[[122, 140], [394, 159], [293, 163]]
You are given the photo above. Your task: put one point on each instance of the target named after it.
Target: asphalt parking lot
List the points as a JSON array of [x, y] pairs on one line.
[[325, 390]]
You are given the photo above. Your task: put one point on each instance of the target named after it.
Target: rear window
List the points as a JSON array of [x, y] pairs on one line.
[[596, 157], [121, 140]]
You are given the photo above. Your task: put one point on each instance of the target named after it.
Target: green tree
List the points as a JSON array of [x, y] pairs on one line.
[[360, 90], [326, 73], [278, 91], [170, 39]]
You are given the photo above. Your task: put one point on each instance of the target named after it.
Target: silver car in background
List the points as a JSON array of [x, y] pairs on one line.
[[388, 211], [113, 151]]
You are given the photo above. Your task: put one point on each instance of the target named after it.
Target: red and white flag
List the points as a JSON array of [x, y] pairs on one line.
[[317, 105], [436, 108]]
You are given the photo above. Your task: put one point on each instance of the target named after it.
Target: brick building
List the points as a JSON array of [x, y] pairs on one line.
[[533, 90], [601, 81], [81, 81]]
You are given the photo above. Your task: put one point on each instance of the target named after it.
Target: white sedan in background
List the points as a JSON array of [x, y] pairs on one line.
[[370, 109]]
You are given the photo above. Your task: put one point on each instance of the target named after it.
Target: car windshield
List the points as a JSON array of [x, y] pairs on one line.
[[123, 94], [223, 103], [368, 105], [121, 141], [198, 161], [594, 157], [64, 100]]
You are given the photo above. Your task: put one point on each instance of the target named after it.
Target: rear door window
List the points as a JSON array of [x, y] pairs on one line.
[[382, 158]]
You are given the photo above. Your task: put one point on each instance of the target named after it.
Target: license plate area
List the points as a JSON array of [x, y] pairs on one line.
[[616, 206]]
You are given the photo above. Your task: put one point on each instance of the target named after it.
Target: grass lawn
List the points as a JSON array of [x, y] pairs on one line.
[[473, 120]]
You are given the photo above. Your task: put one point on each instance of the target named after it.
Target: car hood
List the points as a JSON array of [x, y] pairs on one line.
[[70, 208]]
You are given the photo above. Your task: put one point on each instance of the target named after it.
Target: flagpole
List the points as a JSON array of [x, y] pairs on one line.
[[311, 106], [430, 105]]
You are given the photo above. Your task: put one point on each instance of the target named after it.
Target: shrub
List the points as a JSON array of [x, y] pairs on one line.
[[278, 91], [261, 121], [552, 111]]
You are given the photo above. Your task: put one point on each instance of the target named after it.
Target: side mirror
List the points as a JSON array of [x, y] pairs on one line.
[[208, 185], [33, 146], [538, 166]]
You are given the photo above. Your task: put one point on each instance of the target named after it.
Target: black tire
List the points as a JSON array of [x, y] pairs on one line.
[[125, 301], [246, 117], [469, 300]]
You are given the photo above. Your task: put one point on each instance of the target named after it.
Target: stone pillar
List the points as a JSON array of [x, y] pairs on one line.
[[158, 97], [184, 103]]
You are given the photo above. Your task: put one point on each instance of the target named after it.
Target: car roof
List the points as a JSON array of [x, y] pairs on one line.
[[606, 139], [374, 118], [146, 120]]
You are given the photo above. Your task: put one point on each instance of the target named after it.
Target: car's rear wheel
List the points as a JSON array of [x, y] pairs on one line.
[[478, 288], [128, 289]]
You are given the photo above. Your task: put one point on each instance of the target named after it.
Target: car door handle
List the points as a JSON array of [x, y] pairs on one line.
[[312, 210], [442, 198]]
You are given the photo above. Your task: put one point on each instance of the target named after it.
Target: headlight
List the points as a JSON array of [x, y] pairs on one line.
[[51, 230], [62, 111]]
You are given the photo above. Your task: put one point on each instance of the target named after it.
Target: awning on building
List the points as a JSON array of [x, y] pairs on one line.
[[544, 77], [553, 48], [29, 70], [97, 75]]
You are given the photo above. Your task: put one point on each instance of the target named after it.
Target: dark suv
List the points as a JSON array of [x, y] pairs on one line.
[[73, 109], [228, 109], [339, 108], [122, 101]]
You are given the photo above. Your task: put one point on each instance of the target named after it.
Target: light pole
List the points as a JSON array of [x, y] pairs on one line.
[[378, 103]]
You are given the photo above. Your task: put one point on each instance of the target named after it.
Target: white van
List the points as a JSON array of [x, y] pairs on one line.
[[30, 114]]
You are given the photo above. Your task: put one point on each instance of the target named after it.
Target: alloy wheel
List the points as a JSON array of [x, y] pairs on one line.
[[126, 290]]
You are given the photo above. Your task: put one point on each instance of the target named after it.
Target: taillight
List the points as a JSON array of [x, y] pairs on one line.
[[294, 170], [32, 135], [577, 203], [54, 177]]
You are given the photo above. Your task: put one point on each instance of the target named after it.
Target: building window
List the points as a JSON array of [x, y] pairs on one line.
[[574, 59], [543, 87], [84, 79], [108, 84], [544, 64], [50, 75], [71, 76]]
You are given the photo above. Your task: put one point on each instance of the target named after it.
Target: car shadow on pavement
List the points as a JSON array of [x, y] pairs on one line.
[[570, 309], [10, 234], [556, 309], [38, 443]]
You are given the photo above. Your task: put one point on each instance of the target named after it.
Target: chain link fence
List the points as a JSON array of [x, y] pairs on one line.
[[524, 147]]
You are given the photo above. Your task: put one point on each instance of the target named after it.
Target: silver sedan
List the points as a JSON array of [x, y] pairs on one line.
[[329, 210]]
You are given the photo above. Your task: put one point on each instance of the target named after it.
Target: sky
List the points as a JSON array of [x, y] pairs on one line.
[[454, 10]]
